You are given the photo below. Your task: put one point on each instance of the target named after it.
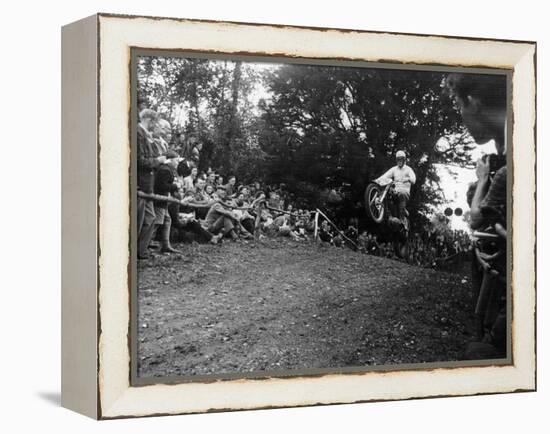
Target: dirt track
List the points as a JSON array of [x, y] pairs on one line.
[[288, 305]]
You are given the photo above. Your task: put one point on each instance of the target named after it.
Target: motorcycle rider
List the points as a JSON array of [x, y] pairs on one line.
[[403, 177]]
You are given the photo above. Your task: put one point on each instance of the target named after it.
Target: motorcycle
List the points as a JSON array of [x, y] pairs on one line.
[[381, 209]]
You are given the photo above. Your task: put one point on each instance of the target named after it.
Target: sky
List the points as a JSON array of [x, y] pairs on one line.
[[454, 182]]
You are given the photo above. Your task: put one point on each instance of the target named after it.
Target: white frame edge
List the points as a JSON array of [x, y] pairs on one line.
[[79, 256]]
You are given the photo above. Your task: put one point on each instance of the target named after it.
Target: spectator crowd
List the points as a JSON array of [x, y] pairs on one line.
[[177, 202]]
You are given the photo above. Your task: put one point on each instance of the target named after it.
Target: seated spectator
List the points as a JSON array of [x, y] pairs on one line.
[[373, 248], [202, 175], [338, 240], [189, 181], [245, 192], [187, 227], [200, 197], [254, 188], [351, 233], [230, 186], [209, 191], [220, 219], [260, 195], [281, 220], [274, 202], [362, 241], [308, 220], [246, 220], [211, 179], [325, 233]]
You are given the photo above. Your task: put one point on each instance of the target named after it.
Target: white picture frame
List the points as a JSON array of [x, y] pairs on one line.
[[96, 256]]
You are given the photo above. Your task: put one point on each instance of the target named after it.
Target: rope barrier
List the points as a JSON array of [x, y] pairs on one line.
[[257, 204], [193, 204], [336, 228]]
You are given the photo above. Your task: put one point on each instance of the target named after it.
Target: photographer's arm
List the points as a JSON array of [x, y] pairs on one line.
[[476, 216]]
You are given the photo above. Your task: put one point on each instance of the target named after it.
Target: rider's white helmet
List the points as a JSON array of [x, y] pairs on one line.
[[400, 154]]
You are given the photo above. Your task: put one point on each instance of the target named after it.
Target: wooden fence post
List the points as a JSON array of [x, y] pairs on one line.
[[316, 229], [337, 230], [258, 221]]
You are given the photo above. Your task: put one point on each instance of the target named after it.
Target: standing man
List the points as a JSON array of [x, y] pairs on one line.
[[148, 160], [164, 186], [403, 178], [162, 134], [195, 148], [181, 145]]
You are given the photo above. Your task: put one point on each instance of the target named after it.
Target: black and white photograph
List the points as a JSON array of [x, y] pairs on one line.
[[296, 217]]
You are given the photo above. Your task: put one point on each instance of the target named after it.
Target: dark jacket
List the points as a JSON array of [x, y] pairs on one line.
[[164, 182], [147, 163], [493, 205]]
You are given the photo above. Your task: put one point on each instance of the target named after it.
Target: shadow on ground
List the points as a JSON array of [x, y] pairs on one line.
[[52, 398]]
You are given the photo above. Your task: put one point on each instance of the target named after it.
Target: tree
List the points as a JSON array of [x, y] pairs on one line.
[[329, 126], [208, 98]]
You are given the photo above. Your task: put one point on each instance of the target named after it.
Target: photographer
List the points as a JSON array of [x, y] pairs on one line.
[[481, 100]]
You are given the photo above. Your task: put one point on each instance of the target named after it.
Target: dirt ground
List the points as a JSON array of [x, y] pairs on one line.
[[239, 308]]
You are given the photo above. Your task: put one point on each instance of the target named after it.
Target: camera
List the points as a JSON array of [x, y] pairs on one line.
[[495, 162]]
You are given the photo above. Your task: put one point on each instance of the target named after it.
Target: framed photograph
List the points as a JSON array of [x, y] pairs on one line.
[[261, 216]]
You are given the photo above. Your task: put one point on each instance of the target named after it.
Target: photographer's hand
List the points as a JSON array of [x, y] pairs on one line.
[[483, 169], [501, 230], [485, 261]]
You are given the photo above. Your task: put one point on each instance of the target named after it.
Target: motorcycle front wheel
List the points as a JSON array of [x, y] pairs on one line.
[[375, 209]]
